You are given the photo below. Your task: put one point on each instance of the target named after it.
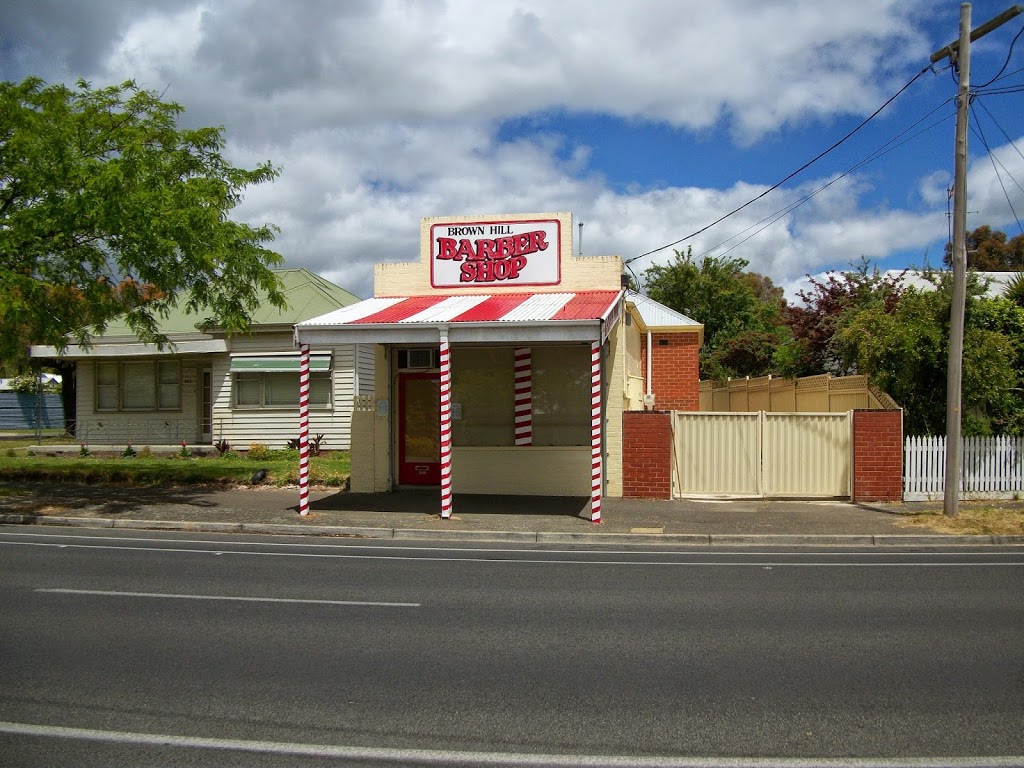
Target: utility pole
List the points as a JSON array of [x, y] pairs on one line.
[[959, 54]]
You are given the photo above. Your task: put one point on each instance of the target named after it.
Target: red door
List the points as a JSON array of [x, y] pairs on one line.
[[419, 425]]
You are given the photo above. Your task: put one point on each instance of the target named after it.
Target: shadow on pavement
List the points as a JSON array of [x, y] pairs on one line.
[[106, 500], [428, 502]]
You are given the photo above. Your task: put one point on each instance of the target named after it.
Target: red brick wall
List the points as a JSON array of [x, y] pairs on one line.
[[675, 372], [877, 456], [647, 454]]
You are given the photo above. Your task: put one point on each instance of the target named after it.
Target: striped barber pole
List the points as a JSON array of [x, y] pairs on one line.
[[304, 429], [524, 396], [446, 428], [595, 431]]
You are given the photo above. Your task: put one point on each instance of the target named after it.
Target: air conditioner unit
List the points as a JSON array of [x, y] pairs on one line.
[[421, 358]]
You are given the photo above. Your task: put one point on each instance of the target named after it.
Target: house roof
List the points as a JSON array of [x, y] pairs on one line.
[[306, 295], [998, 282], [578, 316]]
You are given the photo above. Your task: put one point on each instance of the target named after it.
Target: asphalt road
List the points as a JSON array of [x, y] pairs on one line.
[[133, 648]]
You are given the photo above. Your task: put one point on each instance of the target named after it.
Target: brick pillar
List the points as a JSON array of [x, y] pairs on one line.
[[675, 370], [877, 455], [647, 454]]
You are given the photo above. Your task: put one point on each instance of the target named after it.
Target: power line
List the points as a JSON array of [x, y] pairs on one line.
[[881, 151], [1005, 134], [802, 168], [976, 128], [1009, 55]]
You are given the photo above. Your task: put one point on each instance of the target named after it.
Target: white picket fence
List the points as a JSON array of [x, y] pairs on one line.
[[993, 468]]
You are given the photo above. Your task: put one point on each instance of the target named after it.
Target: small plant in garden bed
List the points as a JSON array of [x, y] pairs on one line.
[[314, 444], [185, 453], [129, 452], [258, 451], [222, 446]]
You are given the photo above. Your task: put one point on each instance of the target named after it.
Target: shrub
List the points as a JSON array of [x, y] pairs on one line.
[[222, 446], [258, 451], [129, 452], [27, 384], [146, 452]]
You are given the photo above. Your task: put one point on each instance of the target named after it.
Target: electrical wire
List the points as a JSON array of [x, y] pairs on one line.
[[976, 129], [1001, 129], [1009, 55], [880, 152], [799, 170]]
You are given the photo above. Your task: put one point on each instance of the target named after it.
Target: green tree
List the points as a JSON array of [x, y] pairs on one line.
[[741, 311], [906, 352], [1015, 289], [108, 207], [814, 321], [988, 250]]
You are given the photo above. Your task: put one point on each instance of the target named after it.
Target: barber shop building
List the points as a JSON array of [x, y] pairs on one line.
[[502, 363]]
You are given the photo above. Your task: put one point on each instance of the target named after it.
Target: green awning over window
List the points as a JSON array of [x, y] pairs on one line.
[[278, 364]]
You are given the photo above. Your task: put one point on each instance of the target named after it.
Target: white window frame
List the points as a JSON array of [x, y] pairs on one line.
[[262, 377], [164, 377]]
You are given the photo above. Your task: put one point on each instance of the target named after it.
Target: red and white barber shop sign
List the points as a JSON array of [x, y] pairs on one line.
[[488, 254]]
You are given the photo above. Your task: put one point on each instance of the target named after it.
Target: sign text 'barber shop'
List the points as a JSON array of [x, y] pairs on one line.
[[494, 253]]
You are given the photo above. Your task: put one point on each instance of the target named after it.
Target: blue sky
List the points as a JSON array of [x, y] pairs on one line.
[[646, 120]]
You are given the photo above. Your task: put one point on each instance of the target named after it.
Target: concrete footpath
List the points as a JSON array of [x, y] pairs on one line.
[[413, 515]]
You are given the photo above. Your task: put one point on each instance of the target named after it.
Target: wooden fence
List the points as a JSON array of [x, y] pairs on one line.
[[993, 468], [810, 394]]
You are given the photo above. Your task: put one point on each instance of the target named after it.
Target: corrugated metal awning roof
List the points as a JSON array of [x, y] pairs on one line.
[[657, 315], [513, 317]]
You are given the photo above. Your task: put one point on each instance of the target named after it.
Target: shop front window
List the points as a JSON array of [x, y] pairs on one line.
[[483, 386], [561, 395]]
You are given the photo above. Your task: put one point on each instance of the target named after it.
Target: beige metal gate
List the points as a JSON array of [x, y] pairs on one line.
[[801, 455]]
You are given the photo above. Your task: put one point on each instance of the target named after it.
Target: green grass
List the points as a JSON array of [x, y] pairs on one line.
[[329, 469]]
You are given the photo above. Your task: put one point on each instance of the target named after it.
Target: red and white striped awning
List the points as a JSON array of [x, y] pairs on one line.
[[504, 317]]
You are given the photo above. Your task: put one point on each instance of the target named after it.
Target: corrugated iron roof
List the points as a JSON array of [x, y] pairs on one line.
[[655, 315], [472, 308]]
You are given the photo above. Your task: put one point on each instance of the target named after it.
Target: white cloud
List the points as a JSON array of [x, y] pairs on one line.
[[383, 112], [995, 187]]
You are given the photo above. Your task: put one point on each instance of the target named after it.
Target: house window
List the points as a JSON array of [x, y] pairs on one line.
[[272, 381], [146, 385]]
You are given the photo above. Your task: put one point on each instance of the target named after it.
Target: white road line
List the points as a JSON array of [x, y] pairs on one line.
[[229, 598], [529, 561], [383, 755]]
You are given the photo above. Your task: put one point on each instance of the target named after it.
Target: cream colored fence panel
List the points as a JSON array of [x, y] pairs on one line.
[[806, 454], [717, 454]]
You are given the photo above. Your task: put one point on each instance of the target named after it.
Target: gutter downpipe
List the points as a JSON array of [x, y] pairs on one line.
[[650, 389]]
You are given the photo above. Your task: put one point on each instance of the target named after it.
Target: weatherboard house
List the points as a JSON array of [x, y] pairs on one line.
[[504, 364], [205, 387]]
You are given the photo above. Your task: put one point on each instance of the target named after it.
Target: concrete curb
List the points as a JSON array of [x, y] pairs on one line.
[[526, 537], [426, 534], [691, 539]]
